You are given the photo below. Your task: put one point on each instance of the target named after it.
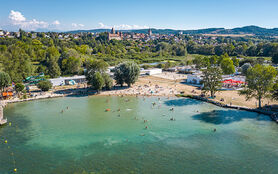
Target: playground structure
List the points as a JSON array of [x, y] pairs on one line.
[[7, 94], [33, 80]]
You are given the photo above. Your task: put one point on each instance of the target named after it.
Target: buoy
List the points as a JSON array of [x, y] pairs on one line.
[[6, 141], [15, 170], [10, 124]]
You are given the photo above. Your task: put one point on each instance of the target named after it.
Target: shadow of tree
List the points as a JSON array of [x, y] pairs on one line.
[[228, 116], [182, 102]]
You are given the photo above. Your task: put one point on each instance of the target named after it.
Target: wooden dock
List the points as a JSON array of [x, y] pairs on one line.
[[2, 120]]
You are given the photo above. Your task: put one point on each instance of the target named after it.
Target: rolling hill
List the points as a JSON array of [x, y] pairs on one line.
[[255, 30]]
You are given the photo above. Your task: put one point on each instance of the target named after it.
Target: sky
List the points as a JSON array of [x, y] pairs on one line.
[[65, 15]]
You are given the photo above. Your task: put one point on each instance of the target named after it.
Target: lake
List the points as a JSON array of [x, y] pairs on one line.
[[77, 135]]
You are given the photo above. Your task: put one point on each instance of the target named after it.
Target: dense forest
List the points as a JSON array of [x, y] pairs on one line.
[[25, 56]]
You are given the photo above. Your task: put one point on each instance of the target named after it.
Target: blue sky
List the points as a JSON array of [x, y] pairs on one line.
[[130, 14]]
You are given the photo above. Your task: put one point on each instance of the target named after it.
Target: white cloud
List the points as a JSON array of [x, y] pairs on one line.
[[101, 25], [77, 25], [56, 22], [122, 26], [17, 19], [16, 16]]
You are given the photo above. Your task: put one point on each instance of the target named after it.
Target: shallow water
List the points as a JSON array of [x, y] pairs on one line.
[[85, 138]]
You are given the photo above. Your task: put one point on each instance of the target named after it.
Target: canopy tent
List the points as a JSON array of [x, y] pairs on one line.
[[233, 82]]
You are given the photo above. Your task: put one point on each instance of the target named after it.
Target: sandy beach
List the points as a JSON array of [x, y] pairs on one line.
[[170, 84], [165, 84]]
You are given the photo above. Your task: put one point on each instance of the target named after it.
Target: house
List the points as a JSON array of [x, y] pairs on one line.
[[186, 70], [34, 35], [2, 33], [173, 69], [66, 80]]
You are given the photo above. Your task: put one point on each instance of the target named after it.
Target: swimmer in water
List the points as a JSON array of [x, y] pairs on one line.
[[214, 130]]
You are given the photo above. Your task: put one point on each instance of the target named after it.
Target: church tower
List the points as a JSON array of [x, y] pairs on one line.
[[113, 31], [150, 32]]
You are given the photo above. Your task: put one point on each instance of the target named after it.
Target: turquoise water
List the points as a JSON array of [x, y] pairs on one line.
[[85, 138]]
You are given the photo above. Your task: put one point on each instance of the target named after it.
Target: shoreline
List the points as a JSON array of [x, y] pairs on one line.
[[271, 114]]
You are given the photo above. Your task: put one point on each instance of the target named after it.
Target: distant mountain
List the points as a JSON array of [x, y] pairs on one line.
[[255, 30]]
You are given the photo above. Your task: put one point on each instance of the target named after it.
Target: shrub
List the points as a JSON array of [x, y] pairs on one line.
[[44, 85], [19, 87]]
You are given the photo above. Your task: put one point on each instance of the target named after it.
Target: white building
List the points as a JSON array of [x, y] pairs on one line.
[[65, 80], [151, 71], [2, 33], [194, 78]]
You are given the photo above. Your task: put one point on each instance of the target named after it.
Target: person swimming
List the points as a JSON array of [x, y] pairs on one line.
[[214, 130], [172, 119]]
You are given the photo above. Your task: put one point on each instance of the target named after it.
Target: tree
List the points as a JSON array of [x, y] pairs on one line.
[[260, 82], [5, 80], [44, 85], [119, 76], [235, 61], [275, 58], [212, 80], [244, 68], [108, 82], [94, 66], [19, 87], [274, 91], [127, 72], [52, 56], [213, 60], [71, 65], [17, 63], [227, 66], [97, 81]]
